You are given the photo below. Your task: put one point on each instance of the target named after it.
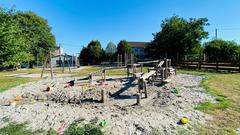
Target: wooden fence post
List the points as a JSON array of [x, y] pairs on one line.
[[217, 65]]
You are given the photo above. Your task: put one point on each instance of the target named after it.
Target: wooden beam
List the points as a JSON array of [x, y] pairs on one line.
[[50, 62], [44, 64]]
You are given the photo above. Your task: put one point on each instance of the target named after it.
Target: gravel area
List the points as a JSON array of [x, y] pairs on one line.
[[162, 110]]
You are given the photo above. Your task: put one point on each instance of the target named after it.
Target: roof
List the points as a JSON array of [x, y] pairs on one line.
[[138, 44]]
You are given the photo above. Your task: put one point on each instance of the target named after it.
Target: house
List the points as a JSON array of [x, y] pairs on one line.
[[58, 58], [138, 49]]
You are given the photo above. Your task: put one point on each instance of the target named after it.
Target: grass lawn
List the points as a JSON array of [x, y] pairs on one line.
[[114, 72], [226, 114], [9, 82]]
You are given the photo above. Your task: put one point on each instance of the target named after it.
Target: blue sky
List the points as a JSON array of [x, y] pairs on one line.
[[76, 22]]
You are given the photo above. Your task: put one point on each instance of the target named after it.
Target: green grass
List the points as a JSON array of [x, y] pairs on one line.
[[20, 129], [76, 128], [87, 70], [226, 88], [9, 82], [221, 103], [123, 72]]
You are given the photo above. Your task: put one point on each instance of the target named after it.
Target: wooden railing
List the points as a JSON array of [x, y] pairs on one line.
[[217, 65]]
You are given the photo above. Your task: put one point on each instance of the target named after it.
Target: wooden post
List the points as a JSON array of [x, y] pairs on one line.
[[126, 59], [103, 94], [199, 64], [68, 64], [145, 88], [63, 64], [138, 97], [44, 64], [90, 78], [118, 60], [163, 74], [239, 64], [131, 60], [204, 57], [104, 75], [50, 62], [166, 68], [140, 84], [217, 65], [128, 71], [141, 67]]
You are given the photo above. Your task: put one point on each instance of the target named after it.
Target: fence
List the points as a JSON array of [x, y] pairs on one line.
[[217, 65]]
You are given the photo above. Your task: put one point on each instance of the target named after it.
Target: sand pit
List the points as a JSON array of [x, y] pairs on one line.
[[64, 103]]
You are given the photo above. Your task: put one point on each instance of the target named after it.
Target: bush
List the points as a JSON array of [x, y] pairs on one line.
[[221, 50], [87, 129]]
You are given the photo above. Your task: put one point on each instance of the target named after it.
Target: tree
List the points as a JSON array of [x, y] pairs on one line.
[[84, 55], [221, 50], [177, 37], [95, 51], [124, 47], [110, 50], [23, 35], [38, 33], [13, 47]]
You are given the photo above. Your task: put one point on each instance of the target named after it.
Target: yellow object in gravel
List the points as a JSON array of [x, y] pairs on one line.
[[184, 120]]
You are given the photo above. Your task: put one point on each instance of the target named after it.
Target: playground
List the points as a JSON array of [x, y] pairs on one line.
[[139, 100]]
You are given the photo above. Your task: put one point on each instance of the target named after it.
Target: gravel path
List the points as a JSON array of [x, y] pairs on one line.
[[162, 110]]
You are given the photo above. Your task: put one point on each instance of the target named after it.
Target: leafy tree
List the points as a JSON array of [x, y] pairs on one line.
[[95, 51], [110, 50], [177, 37], [13, 47], [85, 55], [38, 33], [221, 50], [93, 54], [23, 35], [124, 47]]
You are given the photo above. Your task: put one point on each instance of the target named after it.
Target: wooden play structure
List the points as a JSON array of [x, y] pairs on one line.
[[160, 73], [47, 62]]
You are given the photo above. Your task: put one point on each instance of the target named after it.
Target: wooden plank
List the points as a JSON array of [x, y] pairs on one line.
[[147, 62], [160, 64], [147, 75]]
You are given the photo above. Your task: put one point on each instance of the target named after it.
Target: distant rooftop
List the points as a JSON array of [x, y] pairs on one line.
[[138, 44]]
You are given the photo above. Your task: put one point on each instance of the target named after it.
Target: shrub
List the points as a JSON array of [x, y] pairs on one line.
[[87, 129], [221, 50]]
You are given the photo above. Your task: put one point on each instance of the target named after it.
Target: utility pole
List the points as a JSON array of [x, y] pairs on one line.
[[216, 33]]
